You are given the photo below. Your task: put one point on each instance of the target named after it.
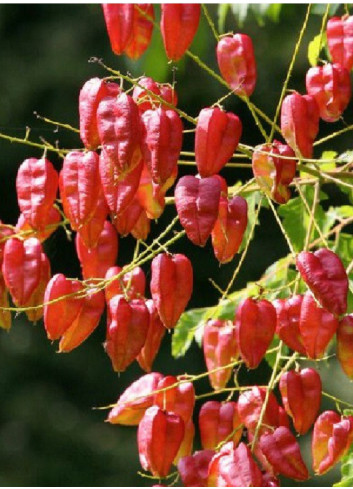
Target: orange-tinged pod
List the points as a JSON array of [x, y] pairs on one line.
[[249, 408], [228, 231], [5, 316], [28, 231], [288, 318], [21, 268], [91, 231], [273, 173], [155, 333], [59, 315], [142, 28], [332, 437], [330, 85], [119, 19], [325, 275], [219, 422], [217, 137], [300, 117], [96, 261], [119, 188], [142, 227], [132, 284], [345, 345], [134, 401], [6, 231], [162, 137], [220, 348], [151, 195], [126, 331], [255, 327], [339, 33], [234, 467], [37, 298], [317, 327], [91, 94], [171, 286], [179, 23], [301, 396], [159, 437], [37, 186], [85, 323], [193, 469], [197, 203], [237, 64], [179, 399], [79, 186], [187, 443], [282, 451], [119, 129]]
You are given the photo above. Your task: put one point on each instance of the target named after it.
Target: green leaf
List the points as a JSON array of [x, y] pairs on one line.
[[277, 276], [346, 466], [252, 200], [320, 9], [314, 48], [185, 330], [240, 11], [271, 357], [223, 10], [273, 11], [328, 165]]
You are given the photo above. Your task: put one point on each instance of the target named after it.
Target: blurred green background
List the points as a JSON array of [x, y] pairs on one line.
[[49, 432]]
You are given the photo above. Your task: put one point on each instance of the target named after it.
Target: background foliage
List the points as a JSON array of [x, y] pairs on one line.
[[49, 435]]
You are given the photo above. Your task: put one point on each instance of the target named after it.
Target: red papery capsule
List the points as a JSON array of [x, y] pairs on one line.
[[237, 64], [127, 220], [186, 445], [345, 345], [159, 437], [59, 315], [317, 327], [255, 325], [134, 401], [220, 348], [234, 467], [179, 23], [217, 137], [142, 227], [96, 261], [219, 422], [171, 286], [6, 231], [168, 93], [339, 33], [228, 231], [79, 186], [91, 231], [300, 117], [21, 268], [119, 19], [119, 130], [332, 437], [288, 318], [144, 100], [119, 188], [37, 186], [197, 203], [85, 323], [301, 397], [142, 28], [193, 469], [282, 451], [37, 297], [162, 137], [326, 277], [151, 195], [126, 331], [132, 284], [273, 173], [179, 399], [155, 333], [249, 407], [330, 85], [27, 230], [91, 94], [5, 316]]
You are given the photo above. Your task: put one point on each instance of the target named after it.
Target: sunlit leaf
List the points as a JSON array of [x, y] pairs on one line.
[[223, 10], [314, 48]]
